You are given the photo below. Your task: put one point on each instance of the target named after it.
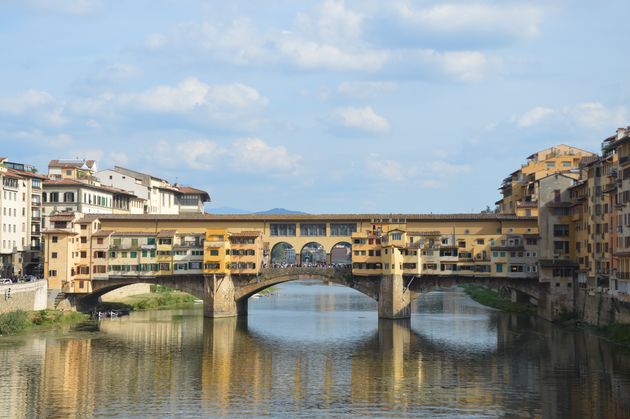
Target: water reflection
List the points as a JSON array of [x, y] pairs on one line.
[[317, 351]]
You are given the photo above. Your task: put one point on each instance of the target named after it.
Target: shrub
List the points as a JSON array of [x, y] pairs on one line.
[[13, 322]]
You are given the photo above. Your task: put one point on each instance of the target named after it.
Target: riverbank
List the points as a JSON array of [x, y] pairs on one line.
[[490, 298], [161, 300], [20, 321]]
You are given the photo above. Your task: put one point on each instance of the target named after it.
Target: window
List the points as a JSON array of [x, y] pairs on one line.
[[561, 230], [54, 239], [99, 240], [551, 164], [53, 255], [151, 241], [312, 229], [337, 229], [165, 241], [566, 164], [282, 229], [134, 255], [214, 252], [396, 236], [52, 273]]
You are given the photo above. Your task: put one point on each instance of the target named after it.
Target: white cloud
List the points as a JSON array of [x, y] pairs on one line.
[[246, 154], [592, 115], [386, 169], [517, 20], [36, 105], [253, 154], [308, 54], [332, 21], [363, 119], [444, 169], [183, 97], [70, 7], [464, 66], [25, 101], [118, 72], [191, 94], [534, 116], [366, 89], [224, 102], [199, 154]]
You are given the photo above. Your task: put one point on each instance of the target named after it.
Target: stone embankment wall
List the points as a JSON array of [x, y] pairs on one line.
[[29, 296], [128, 291], [601, 309]]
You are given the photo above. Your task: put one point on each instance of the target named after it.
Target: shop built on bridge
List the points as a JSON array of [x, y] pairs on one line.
[[224, 259]]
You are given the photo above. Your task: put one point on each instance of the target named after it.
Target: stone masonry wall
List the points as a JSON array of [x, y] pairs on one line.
[[28, 297], [601, 309]]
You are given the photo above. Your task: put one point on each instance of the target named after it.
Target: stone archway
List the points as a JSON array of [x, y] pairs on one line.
[[313, 254], [283, 253], [341, 254]]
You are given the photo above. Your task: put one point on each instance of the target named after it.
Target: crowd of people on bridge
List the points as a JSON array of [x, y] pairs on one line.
[[323, 265]]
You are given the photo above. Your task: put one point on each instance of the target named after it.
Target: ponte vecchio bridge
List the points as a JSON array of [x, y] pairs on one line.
[[224, 259]]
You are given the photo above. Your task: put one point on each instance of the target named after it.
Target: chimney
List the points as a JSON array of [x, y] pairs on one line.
[[621, 132]]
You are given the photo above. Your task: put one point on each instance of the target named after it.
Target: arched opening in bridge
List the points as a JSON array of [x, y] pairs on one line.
[[313, 254], [341, 254], [283, 254]]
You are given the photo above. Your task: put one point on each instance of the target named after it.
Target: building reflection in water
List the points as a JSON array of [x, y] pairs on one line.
[[453, 358]]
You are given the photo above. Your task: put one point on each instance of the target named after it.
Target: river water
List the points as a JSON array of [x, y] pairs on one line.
[[314, 350]]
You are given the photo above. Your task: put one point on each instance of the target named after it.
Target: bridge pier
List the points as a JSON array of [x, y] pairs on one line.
[[220, 298], [394, 300]]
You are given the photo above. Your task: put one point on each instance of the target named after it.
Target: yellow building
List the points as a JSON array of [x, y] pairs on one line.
[[98, 247], [520, 188]]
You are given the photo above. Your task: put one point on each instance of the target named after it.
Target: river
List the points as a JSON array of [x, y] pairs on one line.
[[315, 350]]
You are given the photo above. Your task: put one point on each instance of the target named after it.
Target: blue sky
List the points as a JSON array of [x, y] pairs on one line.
[[321, 106]]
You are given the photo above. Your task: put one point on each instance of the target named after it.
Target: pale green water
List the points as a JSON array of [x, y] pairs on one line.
[[316, 351]]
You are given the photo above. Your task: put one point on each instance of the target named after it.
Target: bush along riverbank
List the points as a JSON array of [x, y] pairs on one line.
[[19, 321], [490, 298], [161, 298]]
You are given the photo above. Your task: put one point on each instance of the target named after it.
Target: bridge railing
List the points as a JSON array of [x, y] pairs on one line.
[[323, 270]]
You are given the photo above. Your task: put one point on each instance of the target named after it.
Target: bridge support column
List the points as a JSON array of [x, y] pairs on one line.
[[219, 298], [394, 302]]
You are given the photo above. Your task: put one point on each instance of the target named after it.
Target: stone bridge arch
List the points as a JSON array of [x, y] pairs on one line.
[[191, 284], [245, 288]]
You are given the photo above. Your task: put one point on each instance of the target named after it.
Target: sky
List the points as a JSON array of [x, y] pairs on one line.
[[411, 106]]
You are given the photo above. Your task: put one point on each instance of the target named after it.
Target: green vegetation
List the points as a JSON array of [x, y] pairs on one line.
[[19, 321], [490, 298], [162, 298], [616, 332], [268, 291]]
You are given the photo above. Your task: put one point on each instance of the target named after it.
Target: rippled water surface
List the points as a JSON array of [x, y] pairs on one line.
[[314, 350]]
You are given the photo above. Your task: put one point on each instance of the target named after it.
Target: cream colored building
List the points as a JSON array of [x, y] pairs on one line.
[[97, 247]]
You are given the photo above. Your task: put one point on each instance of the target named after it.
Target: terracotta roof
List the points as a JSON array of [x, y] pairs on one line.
[[74, 182], [71, 163], [59, 231], [24, 173], [299, 217], [62, 217], [167, 233], [246, 234], [194, 191], [557, 263], [559, 204], [102, 233], [424, 233], [57, 163], [133, 234]]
